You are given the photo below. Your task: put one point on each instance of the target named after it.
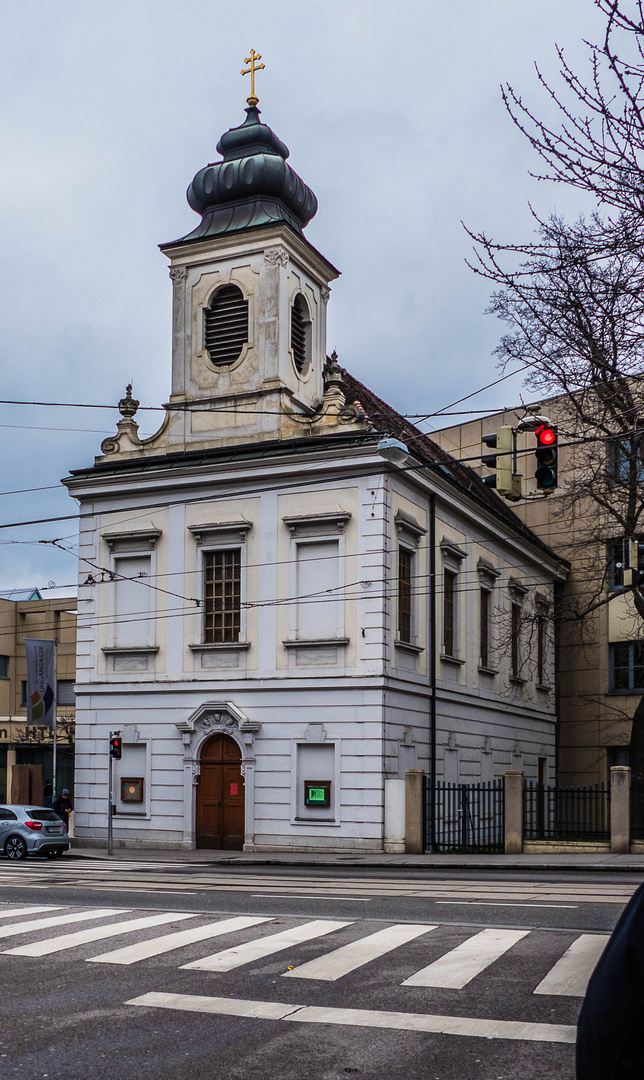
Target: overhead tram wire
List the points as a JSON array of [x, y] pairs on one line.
[[365, 471]]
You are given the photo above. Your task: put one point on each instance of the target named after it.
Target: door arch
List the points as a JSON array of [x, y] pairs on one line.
[[220, 795]]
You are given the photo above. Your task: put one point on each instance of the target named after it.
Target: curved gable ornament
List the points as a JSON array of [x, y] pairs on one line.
[[213, 718]]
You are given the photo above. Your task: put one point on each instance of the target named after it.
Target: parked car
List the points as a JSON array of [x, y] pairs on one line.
[[31, 830]]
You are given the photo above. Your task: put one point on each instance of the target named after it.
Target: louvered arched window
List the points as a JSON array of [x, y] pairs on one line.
[[301, 334], [226, 325]]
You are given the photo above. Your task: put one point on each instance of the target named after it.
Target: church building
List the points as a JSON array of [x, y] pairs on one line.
[[289, 595]]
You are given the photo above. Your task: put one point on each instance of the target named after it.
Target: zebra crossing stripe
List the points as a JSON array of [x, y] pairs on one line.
[[32, 909], [266, 946], [142, 950], [341, 961], [458, 967], [569, 977], [94, 933], [432, 1024], [57, 920]]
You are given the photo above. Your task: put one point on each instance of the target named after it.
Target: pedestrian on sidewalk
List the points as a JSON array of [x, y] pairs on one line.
[[62, 807], [610, 1031]]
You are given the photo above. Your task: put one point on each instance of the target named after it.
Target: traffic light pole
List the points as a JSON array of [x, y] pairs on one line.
[[109, 800]]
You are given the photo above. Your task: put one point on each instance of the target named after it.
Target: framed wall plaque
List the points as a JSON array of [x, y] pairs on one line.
[[132, 789]]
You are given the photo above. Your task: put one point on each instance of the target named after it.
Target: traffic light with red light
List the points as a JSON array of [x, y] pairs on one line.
[[546, 453], [116, 747]]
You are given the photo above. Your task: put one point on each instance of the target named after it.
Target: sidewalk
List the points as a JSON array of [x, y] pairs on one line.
[[593, 863]]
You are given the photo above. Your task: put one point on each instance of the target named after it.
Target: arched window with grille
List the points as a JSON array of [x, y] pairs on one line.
[[226, 325], [301, 334]]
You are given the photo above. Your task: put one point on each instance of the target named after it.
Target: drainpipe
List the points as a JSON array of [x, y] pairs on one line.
[[432, 656]]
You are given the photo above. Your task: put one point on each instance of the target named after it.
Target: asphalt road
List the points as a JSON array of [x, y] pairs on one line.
[[171, 970]]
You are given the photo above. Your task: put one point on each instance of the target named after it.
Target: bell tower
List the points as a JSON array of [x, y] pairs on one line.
[[249, 291]]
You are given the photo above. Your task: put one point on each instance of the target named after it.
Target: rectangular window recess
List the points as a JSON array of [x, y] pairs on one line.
[[315, 643], [409, 645], [451, 659], [213, 646]]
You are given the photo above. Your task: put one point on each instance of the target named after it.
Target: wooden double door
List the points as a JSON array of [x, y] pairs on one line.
[[220, 795]]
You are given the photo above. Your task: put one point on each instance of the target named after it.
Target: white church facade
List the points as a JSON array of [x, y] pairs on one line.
[[289, 595]]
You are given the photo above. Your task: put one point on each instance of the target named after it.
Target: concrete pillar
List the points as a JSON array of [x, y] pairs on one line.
[[414, 831], [514, 812], [620, 810], [395, 816]]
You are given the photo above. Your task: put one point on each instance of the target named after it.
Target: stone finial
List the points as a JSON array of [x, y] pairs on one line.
[[128, 405], [332, 372]]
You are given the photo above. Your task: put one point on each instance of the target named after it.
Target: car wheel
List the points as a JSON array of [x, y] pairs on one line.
[[15, 848]]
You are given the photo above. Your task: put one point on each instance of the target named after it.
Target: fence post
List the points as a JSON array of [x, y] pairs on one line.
[[414, 832], [620, 810], [514, 812]]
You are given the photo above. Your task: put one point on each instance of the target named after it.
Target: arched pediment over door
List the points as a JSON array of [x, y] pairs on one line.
[[209, 719]]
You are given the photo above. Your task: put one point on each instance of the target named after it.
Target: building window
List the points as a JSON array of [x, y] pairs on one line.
[[65, 692], [226, 325], [485, 598], [619, 559], [625, 461], [4, 667], [222, 596], [542, 648], [23, 694], [301, 334], [515, 643], [405, 563], [449, 612], [626, 661]]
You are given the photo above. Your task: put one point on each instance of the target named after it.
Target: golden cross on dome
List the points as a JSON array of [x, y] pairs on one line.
[[253, 99]]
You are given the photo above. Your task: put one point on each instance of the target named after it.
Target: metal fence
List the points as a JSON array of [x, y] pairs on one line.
[[566, 813], [464, 817]]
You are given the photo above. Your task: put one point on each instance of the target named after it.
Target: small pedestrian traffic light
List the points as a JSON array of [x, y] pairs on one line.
[[503, 478], [116, 747], [633, 577], [546, 453]]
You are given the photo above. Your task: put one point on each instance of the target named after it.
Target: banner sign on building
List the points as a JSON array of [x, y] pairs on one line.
[[41, 682]]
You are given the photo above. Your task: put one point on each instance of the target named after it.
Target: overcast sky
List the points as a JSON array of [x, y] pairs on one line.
[[393, 116]]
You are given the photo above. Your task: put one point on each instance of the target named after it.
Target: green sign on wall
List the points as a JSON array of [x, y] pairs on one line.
[[317, 792]]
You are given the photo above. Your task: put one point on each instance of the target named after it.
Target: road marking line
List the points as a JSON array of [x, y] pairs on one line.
[[266, 946], [131, 954], [442, 1025], [58, 920], [497, 903], [569, 977], [95, 933], [316, 896], [341, 961], [459, 966], [31, 909]]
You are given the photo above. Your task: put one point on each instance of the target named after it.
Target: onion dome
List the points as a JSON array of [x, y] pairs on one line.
[[252, 186]]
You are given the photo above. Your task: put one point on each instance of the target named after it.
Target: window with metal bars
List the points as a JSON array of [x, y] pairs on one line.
[[226, 325], [484, 627], [449, 612], [515, 643], [222, 596], [301, 334], [405, 563]]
